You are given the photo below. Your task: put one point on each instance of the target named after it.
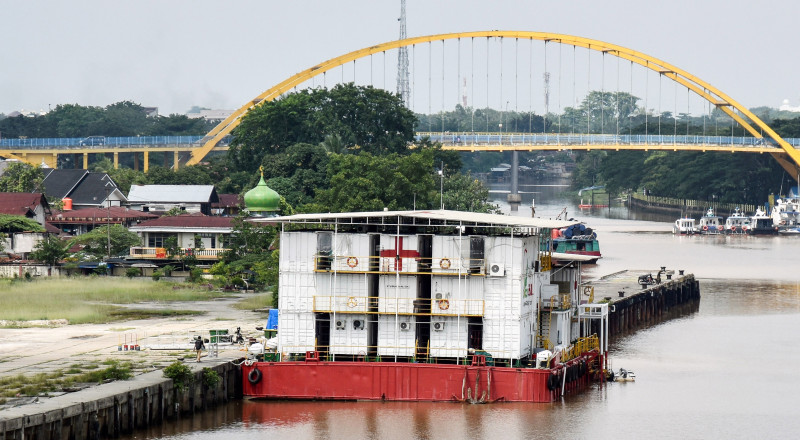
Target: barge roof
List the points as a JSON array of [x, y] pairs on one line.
[[434, 217]]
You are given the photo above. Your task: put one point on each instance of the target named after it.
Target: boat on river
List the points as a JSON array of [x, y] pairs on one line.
[[578, 240], [710, 223], [737, 222], [684, 226], [427, 306], [762, 224]]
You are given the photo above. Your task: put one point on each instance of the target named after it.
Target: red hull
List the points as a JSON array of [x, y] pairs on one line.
[[411, 382]]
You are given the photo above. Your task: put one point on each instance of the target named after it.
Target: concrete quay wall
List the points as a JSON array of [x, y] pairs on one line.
[[120, 407]]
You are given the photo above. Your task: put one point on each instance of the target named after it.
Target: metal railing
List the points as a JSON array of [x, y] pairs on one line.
[[719, 208], [161, 253], [381, 305], [392, 264], [104, 142]]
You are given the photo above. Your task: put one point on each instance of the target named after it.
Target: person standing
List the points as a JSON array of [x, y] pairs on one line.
[[199, 346]]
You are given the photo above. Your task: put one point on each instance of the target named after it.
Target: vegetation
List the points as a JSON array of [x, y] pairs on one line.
[[96, 242], [211, 378], [21, 177], [90, 300], [180, 374], [50, 250], [33, 385], [257, 302], [18, 223]]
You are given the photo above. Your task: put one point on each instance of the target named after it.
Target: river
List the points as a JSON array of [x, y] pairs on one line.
[[728, 370]]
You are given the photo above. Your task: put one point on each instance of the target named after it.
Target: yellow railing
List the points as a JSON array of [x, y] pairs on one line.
[[402, 264], [582, 345], [380, 305], [155, 253]]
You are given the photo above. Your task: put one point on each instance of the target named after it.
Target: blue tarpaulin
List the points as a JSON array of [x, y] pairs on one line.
[[272, 320]]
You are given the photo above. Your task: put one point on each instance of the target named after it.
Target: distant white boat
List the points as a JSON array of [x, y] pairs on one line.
[[737, 223], [710, 223], [684, 226]]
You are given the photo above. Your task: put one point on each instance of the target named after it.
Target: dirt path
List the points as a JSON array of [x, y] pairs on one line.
[[35, 350]]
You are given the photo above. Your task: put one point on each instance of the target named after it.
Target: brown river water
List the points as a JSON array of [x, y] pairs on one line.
[[728, 370]]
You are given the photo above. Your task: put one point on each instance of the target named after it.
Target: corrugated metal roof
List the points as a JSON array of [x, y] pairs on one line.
[[446, 216], [172, 193]]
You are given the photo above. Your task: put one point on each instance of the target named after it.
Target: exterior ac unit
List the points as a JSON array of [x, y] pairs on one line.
[[438, 296], [496, 270], [358, 324], [340, 324], [438, 326], [405, 326]]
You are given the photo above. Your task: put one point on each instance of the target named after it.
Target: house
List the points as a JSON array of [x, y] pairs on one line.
[[81, 221], [82, 189], [162, 198], [31, 205], [229, 204], [211, 232]]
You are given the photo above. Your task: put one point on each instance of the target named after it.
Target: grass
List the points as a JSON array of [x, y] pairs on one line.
[[258, 301], [90, 300], [33, 385]]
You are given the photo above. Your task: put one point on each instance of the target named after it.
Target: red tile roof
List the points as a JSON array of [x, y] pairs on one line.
[[117, 214], [228, 201], [189, 221], [20, 203]]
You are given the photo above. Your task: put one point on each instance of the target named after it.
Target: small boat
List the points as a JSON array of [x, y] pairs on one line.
[[623, 375], [577, 239], [786, 212], [711, 223], [737, 223], [762, 224], [790, 231], [684, 226]]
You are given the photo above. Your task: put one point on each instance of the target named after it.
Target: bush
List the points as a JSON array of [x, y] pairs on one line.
[[157, 274], [168, 269], [132, 272], [195, 275], [210, 378], [180, 374]]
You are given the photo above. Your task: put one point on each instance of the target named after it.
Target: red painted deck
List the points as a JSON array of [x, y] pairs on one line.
[[409, 381]]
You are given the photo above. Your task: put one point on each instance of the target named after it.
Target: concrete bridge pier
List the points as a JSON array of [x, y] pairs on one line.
[[513, 198]]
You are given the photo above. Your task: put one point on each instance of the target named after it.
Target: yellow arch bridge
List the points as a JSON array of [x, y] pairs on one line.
[[761, 139]]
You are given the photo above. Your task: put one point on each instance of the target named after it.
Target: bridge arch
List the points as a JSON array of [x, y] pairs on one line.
[[693, 83]]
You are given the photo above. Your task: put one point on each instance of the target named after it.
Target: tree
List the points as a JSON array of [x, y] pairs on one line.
[[21, 177], [95, 242], [50, 250], [18, 223]]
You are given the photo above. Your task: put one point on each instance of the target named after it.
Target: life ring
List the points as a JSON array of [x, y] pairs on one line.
[[444, 304], [444, 263], [352, 261], [705, 228], [352, 302], [255, 376], [733, 228], [744, 228]]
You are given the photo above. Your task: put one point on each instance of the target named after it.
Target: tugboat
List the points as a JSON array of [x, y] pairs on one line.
[[684, 226], [737, 223], [427, 306], [762, 224], [710, 223], [577, 239]]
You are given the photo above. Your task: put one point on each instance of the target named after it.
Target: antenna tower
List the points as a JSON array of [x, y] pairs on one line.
[[403, 88]]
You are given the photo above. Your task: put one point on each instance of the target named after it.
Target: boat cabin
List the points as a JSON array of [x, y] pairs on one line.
[[684, 226]]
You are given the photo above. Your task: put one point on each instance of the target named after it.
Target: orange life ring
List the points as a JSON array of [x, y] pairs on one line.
[[705, 228], [444, 304], [733, 228], [444, 263], [352, 261], [352, 302], [744, 228]]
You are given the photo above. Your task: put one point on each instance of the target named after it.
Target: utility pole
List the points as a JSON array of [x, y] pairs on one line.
[[108, 219], [403, 88]]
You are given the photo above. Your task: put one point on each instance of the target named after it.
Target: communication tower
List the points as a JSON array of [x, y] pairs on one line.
[[403, 88]]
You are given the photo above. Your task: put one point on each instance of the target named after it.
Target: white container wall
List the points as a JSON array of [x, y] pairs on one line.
[[297, 251], [351, 252], [349, 334], [448, 336], [457, 295], [399, 253], [560, 327], [447, 254], [397, 294], [396, 335], [296, 333]]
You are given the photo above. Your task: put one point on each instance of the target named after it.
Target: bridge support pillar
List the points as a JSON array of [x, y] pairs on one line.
[[175, 160], [116, 160], [85, 161], [146, 160], [514, 199], [136, 161]]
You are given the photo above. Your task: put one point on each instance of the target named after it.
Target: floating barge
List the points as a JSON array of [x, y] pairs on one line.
[[428, 306]]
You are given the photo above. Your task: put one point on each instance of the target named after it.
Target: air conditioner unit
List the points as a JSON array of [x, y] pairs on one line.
[[438, 296], [496, 270], [358, 324], [438, 326], [341, 324], [405, 326]]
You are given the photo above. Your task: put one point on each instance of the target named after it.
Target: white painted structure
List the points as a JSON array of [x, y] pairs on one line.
[[422, 284]]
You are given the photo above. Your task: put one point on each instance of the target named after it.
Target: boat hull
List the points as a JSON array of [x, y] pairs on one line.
[[413, 381]]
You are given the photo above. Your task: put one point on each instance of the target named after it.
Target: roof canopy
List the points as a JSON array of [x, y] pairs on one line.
[[420, 218]]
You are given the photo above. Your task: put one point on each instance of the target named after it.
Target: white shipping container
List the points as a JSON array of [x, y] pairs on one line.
[[448, 336], [349, 334], [399, 253], [296, 332], [351, 252], [396, 335], [397, 293]]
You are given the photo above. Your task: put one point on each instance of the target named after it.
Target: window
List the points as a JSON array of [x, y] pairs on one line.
[[157, 239]]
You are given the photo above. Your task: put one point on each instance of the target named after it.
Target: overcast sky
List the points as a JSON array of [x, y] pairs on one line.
[[174, 54]]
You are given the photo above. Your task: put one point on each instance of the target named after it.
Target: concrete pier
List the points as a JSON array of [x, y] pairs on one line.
[[120, 407], [633, 306]]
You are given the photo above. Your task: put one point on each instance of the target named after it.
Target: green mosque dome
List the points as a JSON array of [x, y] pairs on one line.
[[262, 198]]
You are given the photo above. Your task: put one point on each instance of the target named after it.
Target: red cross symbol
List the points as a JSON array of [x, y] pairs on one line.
[[398, 253]]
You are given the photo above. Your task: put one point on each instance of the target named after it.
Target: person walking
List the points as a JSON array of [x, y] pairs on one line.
[[199, 346]]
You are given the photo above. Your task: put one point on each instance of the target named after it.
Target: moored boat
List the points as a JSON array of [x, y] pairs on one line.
[[684, 225], [737, 222], [762, 224], [578, 240], [710, 223], [427, 306]]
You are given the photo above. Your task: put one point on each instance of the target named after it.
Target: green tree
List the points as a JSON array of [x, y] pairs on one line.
[[21, 177], [95, 242], [19, 223], [50, 250]]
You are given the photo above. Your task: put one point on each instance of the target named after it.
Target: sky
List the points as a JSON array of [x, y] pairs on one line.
[[175, 54]]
